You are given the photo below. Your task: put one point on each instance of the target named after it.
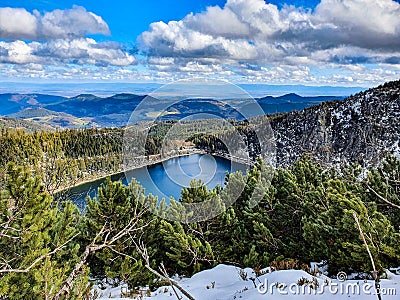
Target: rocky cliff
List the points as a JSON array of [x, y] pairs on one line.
[[362, 128]]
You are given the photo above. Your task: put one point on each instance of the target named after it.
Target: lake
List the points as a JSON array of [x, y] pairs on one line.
[[166, 179]]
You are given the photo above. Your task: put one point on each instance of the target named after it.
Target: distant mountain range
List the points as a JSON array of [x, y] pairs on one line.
[[87, 110], [362, 128]]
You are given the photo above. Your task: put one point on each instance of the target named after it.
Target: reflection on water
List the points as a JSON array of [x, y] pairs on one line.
[[166, 179]]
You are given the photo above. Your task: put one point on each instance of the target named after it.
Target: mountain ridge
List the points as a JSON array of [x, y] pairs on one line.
[[362, 128], [114, 111], [27, 126]]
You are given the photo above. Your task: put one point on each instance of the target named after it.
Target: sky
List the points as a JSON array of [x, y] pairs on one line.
[[293, 42]]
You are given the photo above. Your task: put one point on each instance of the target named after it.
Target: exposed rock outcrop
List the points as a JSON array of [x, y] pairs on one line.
[[362, 128]]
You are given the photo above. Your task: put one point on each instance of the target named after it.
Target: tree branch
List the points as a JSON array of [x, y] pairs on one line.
[[382, 198], [375, 272], [37, 260], [143, 252]]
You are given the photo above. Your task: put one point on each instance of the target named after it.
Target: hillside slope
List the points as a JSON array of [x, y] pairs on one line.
[[362, 128], [27, 126], [116, 110], [54, 119]]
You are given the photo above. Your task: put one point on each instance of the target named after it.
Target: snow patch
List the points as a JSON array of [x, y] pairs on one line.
[[226, 282]]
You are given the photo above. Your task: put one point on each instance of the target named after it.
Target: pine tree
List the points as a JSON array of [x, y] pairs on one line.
[[37, 239], [113, 210], [383, 187], [188, 250], [334, 237]]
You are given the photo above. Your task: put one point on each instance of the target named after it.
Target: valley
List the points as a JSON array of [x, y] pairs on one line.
[[334, 160], [200, 150], [87, 111]]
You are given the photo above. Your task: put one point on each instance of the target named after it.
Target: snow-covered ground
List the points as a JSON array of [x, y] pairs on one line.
[[227, 282]]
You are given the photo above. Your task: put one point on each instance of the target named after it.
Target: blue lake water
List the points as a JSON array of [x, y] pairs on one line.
[[167, 179]]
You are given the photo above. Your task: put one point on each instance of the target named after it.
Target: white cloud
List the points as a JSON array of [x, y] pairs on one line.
[[77, 51], [218, 22], [368, 20], [57, 37], [346, 42], [285, 74], [258, 32], [75, 22], [18, 23], [17, 52]]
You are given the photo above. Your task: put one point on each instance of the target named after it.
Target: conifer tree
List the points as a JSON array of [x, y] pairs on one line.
[[188, 250], [37, 239], [334, 237], [383, 187], [112, 211]]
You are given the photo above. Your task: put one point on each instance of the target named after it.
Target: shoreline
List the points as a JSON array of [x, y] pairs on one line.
[[150, 163], [232, 158]]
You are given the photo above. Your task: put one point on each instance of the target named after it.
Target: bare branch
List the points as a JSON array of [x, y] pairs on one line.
[[141, 248], [106, 241], [122, 254], [375, 272], [37, 260], [382, 198], [164, 272]]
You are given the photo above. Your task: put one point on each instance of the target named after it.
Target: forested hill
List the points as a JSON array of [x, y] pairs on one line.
[[363, 128], [82, 111], [27, 126], [87, 111]]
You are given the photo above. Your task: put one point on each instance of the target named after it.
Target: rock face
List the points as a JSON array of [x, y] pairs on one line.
[[362, 128]]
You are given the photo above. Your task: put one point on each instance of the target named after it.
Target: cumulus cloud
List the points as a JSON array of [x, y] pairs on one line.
[[18, 23], [338, 42], [77, 51], [363, 23], [57, 37], [336, 31]]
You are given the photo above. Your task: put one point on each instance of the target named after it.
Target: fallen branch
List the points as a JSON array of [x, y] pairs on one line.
[[143, 252]]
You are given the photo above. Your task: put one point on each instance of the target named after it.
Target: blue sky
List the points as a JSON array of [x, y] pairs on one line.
[[318, 43], [127, 19]]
